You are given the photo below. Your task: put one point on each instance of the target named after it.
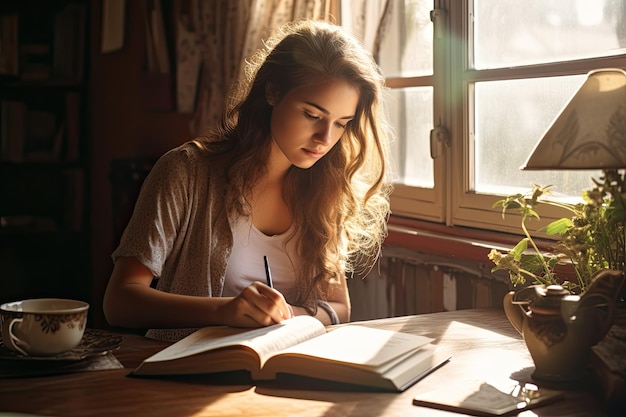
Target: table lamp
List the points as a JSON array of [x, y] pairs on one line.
[[590, 132]]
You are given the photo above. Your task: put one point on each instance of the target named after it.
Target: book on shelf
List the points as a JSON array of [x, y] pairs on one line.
[[352, 354], [27, 223], [73, 127], [44, 135], [9, 61], [35, 61], [30, 134], [69, 42], [13, 116]]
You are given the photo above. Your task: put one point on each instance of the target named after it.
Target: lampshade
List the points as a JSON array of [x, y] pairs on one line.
[[590, 132]]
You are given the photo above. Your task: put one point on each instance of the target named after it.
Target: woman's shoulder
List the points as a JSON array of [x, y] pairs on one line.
[[196, 148], [196, 152]]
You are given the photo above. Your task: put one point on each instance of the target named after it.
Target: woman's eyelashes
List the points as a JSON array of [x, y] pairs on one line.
[[342, 125], [311, 116], [314, 117]]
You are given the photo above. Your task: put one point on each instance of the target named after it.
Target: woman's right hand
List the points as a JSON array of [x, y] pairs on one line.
[[256, 306], [130, 302]]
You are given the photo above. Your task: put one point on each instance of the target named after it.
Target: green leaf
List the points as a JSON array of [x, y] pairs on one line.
[[558, 227], [532, 213], [519, 249], [532, 262]]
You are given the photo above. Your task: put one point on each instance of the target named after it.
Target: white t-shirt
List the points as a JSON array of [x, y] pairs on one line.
[[246, 264]]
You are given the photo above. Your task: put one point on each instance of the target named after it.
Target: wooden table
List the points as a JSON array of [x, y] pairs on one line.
[[482, 342]]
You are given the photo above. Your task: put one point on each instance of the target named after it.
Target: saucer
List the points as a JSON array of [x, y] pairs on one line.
[[94, 342]]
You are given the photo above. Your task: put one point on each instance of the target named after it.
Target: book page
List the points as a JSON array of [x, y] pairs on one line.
[[360, 346], [265, 340]]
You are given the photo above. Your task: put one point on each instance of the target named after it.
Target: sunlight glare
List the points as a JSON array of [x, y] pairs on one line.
[[590, 12]]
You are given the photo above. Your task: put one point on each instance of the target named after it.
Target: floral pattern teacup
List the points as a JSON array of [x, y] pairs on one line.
[[43, 326]]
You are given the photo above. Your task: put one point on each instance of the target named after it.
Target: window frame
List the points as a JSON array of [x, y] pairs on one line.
[[451, 201], [474, 209]]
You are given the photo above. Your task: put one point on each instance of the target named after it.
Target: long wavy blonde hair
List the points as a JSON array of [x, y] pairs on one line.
[[340, 205]]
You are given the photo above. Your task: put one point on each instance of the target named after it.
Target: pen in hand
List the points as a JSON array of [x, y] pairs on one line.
[[270, 283], [268, 273]]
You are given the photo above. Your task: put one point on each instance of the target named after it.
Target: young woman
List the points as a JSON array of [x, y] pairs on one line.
[[296, 172]]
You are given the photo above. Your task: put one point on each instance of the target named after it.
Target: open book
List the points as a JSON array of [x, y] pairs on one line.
[[351, 354]]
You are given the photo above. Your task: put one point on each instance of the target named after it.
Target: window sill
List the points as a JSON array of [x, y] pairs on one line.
[[454, 241]]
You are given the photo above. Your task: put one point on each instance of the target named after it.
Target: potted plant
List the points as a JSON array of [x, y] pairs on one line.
[[561, 319], [590, 240]]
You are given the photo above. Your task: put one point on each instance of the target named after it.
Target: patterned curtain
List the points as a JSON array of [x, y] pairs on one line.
[[226, 33], [367, 21]]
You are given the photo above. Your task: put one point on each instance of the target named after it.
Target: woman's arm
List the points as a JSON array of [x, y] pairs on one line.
[[339, 300], [129, 301]]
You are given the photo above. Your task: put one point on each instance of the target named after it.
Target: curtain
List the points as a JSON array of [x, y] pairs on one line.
[[226, 33], [368, 21]]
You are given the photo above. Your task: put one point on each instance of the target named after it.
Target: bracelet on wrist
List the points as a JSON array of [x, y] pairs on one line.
[[334, 319]]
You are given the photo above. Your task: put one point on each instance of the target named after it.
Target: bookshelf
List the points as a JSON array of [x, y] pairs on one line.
[[44, 238]]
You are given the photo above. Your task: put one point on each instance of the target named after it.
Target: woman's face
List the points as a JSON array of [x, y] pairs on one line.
[[309, 121]]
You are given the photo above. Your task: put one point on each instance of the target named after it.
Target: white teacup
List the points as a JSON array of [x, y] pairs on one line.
[[43, 326]]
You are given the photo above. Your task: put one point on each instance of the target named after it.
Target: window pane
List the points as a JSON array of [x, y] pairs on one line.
[[510, 118], [411, 114], [514, 32], [407, 47]]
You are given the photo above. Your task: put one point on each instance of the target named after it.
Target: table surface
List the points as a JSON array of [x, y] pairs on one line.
[[483, 345]]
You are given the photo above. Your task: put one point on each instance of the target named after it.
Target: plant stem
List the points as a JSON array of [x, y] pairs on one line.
[[543, 261]]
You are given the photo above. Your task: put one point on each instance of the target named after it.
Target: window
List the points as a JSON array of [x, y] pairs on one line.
[[473, 85]]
